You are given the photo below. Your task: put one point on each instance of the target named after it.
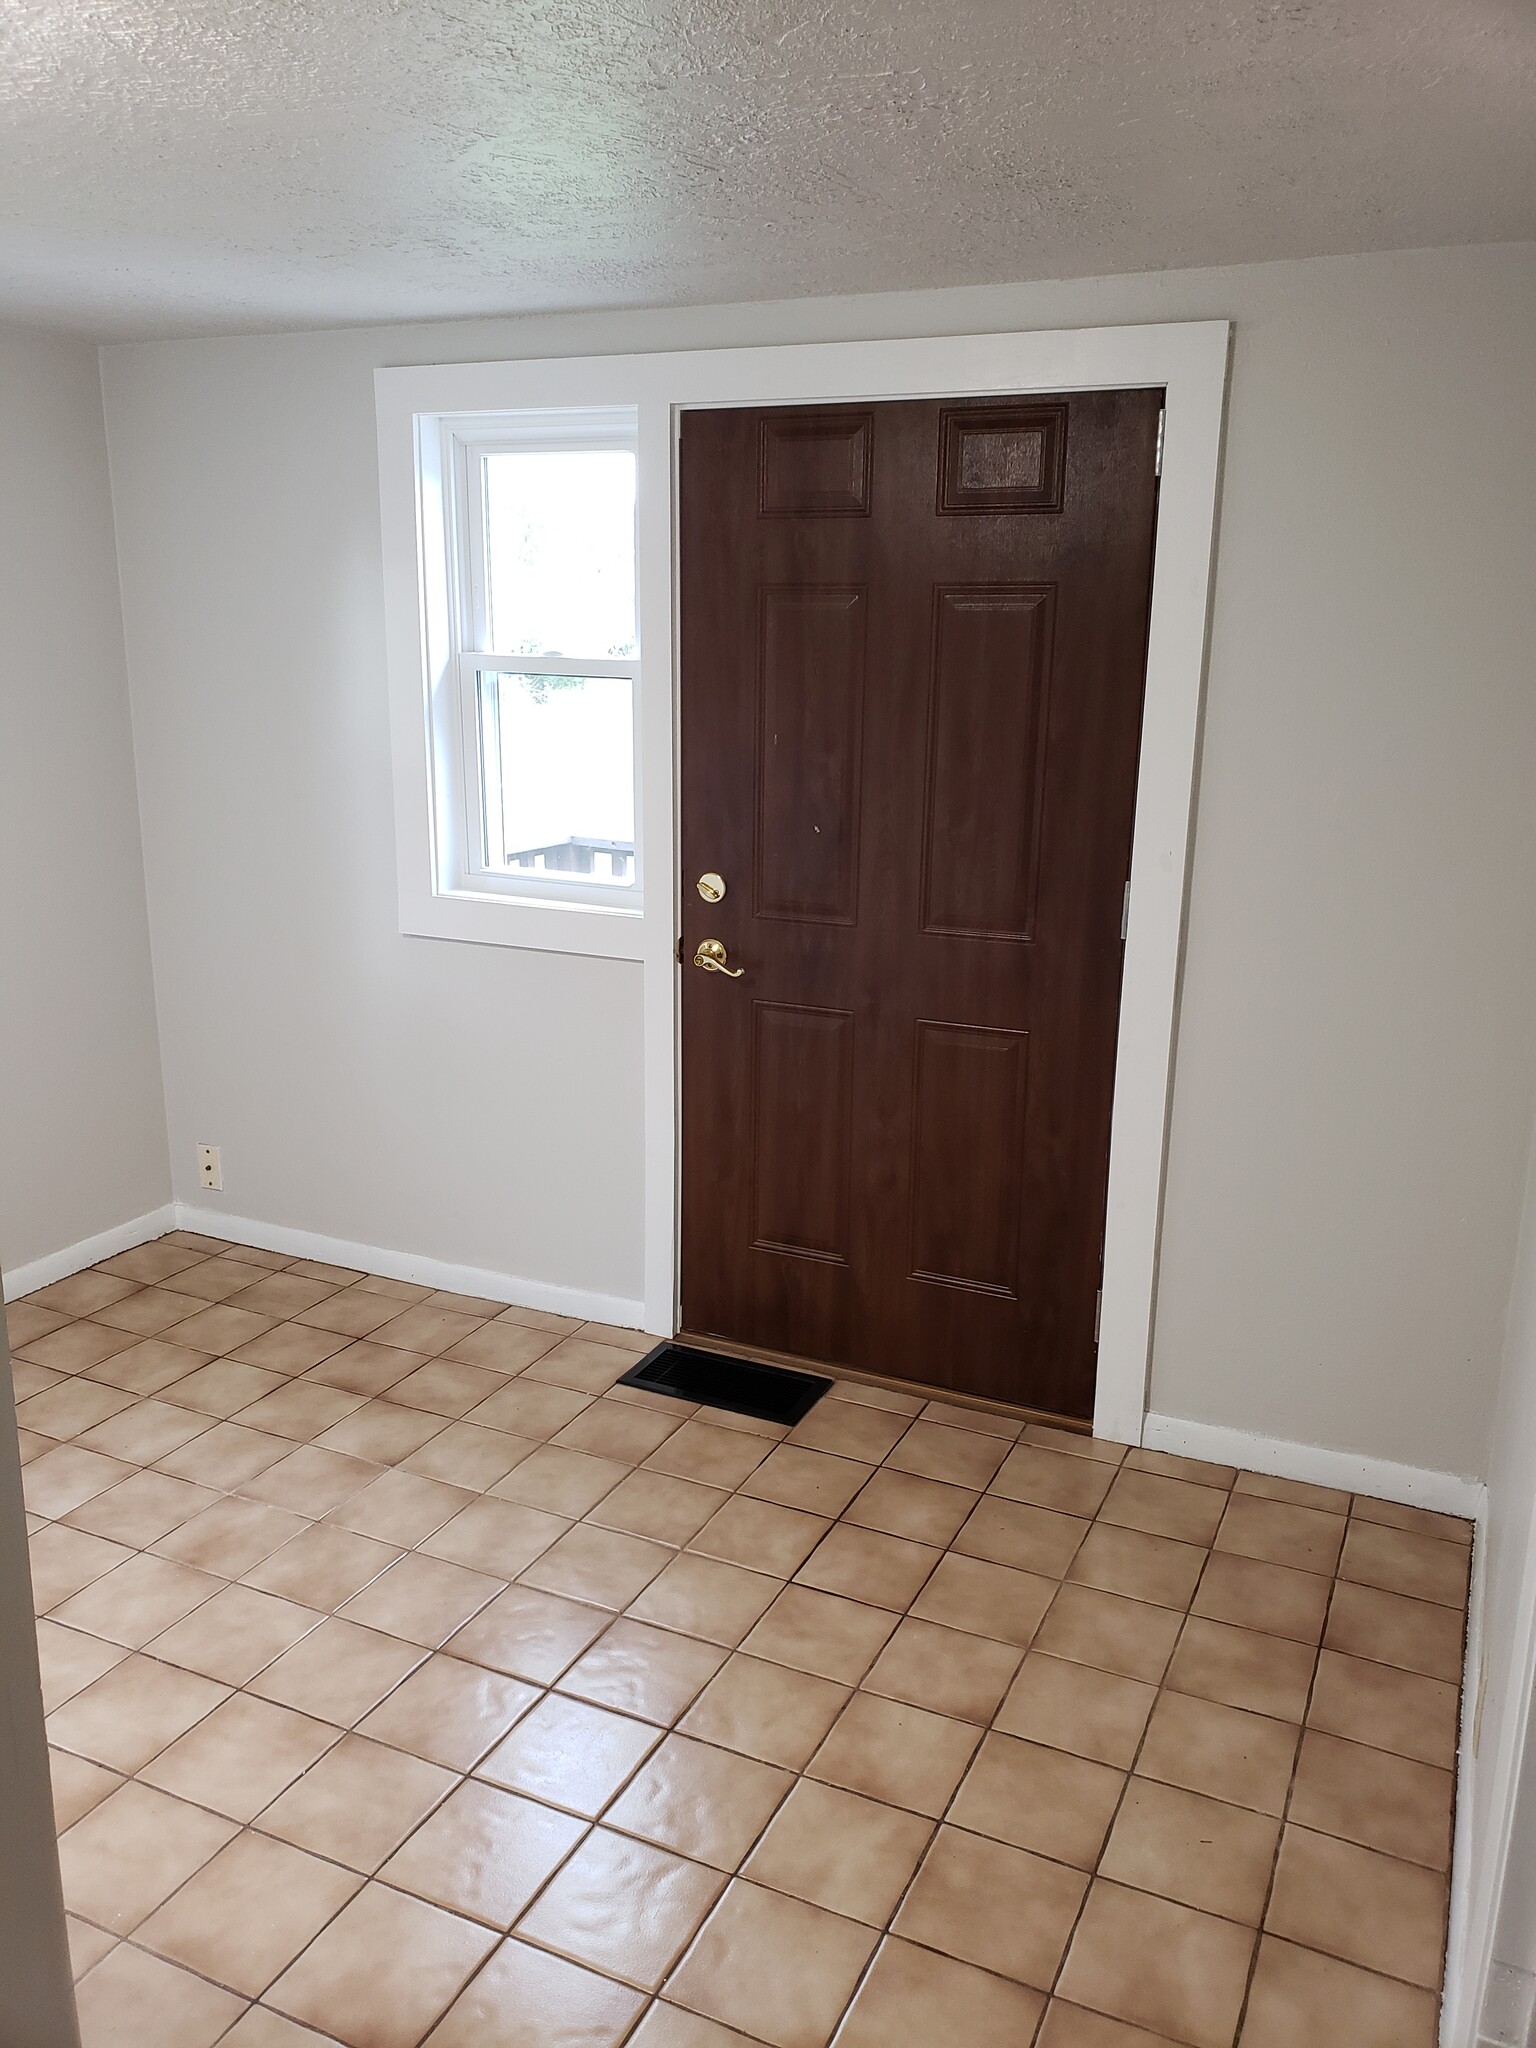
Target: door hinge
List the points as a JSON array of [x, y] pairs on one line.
[[1098, 1311], [1125, 913], [1162, 415]]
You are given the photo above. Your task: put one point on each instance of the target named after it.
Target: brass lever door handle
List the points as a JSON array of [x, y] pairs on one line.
[[712, 955]]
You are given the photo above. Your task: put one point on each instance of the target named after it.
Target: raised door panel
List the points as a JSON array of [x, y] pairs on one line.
[[988, 706], [969, 1099], [810, 715], [801, 1136]]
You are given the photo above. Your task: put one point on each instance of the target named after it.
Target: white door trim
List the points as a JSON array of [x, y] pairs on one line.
[[1190, 361]]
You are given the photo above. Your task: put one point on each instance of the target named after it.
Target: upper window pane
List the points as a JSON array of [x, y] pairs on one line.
[[560, 552]]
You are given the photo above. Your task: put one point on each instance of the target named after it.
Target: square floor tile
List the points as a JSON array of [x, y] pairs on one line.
[[137, 1599], [821, 1633], [400, 1508], [132, 1851], [1384, 1802], [1164, 1507], [905, 1504], [985, 1599], [131, 1998], [964, 1676], [322, 1567], [466, 1455], [224, 1454], [1074, 1707], [422, 1599], [1270, 1597], [997, 1907], [813, 1481], [77, 1786], [1240, 1668], [69, 1660], [761, 1535], [700, 1596], [495, 1536], [61, 1480], [835, 1849], [527, 1998], [1246, 1759], [1142, 1567], [1129, 1637], [898, 1753], [1199, 1851], [1159, 1965], [530, 1635], [1281, 1533], [1387, 1628], [290, 1349], [776, 1965], [1053, 1478], [248, 1912], [766, 1710], [709, 1455], [655, 1504], [849, 1429], [310, 1480], [1016, 1533], [384, 1970], [358, 1803], [139, 1509], [365, 1368], [649, 1672], [338, 1671], [1038, 1798], [560, 1481], [624, 1907], [868, 1565], [1396, 1561], [1385, 1707], [72, 1407], [449, 1712], [1363, 1907], [66, 1560], [703, 1802], [601, 1566], [149, 1366], [235, 1634], [570, 1755], [381, 1432], [231, 1537], [1300, 1996], [957, 1457], [484, 1853], [238, 1759], [444, 1387], [132, 1712], [621, 1431], [913, 1995]]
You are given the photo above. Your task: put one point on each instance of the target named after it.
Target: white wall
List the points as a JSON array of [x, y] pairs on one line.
[[82, 1117], [1344, 1167]]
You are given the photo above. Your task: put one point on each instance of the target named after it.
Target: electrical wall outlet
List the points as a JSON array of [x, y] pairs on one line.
[[210, 1167]]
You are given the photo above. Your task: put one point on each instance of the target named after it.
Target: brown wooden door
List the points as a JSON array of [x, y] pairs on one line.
[[913, 647]]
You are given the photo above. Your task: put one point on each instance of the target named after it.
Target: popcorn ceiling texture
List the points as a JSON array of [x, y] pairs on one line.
[[171, 168]]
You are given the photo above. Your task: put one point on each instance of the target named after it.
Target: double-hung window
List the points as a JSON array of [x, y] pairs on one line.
[[531, 628]]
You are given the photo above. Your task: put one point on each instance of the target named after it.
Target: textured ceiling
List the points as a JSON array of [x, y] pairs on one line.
[[215, 165]]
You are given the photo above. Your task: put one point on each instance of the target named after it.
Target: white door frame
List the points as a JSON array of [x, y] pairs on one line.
[[1189, 360]]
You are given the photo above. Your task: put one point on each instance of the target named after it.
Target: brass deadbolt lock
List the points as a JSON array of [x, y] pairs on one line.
[[711, 887]]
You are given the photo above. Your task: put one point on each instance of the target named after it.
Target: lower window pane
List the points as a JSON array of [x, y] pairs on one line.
[[558, 769]]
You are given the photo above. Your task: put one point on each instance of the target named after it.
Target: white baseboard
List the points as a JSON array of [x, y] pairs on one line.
[[1447, 1493], [106, 1244], [512, 1288]]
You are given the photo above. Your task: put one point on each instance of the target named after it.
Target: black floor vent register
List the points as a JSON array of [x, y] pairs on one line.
[[772, 1393]]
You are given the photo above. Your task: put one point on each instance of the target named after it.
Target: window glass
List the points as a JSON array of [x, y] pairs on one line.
[[560, 552], [558, 772]]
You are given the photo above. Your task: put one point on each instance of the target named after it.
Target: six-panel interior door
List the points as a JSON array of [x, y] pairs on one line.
[[913, 642]]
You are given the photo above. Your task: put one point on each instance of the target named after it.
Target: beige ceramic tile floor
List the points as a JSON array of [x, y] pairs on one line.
[[410, 1681]]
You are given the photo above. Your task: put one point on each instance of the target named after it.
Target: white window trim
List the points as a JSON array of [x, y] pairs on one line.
[[1189, 361]]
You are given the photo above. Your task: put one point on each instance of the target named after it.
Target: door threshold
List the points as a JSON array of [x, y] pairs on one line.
[[1073, 1424]]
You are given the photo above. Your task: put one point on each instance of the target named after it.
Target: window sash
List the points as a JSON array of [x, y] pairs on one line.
[[466, 536]]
